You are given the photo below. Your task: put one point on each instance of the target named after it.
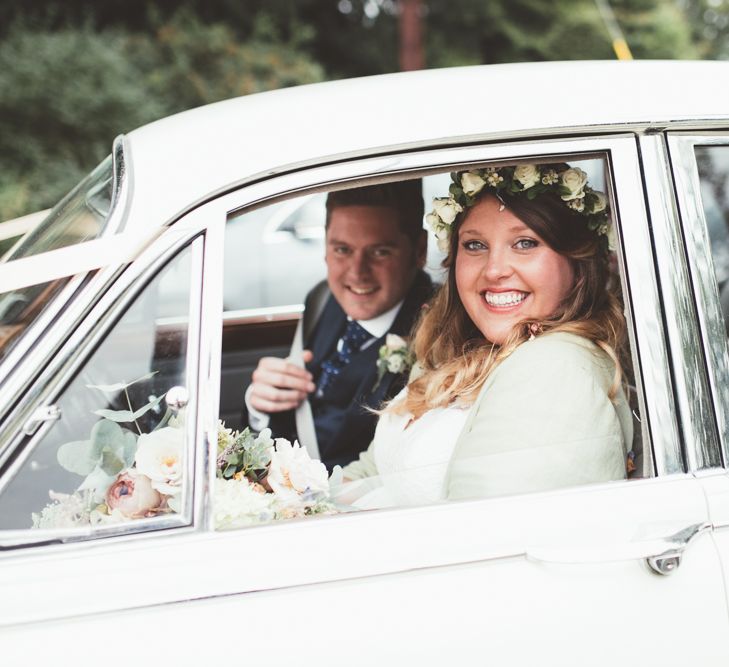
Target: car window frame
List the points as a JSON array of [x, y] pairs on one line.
[[624, 177], [55, 378], [709, 326]]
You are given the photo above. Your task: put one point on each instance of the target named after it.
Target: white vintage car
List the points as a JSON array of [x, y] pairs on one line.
[[185, 256]]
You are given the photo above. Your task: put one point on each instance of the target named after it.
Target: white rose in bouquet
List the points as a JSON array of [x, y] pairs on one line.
[[133, 496], [574, 179], [238, 503], [527, 174], [293, 472], [160, 456]]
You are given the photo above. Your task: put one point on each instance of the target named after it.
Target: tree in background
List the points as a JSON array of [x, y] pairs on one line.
[[65, 94], [709, 20]]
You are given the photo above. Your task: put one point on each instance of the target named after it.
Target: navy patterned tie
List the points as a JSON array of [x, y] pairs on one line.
[[352, 340]]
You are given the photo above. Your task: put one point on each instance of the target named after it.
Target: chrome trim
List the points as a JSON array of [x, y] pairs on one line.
[[703, 280], [627, 161], [686, 362], [191, 512], [210, 363], [62, 367], [120, 189], [26, 346], [17, 358], [258, 315]]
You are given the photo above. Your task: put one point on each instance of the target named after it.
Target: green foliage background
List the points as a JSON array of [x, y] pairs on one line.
[[75, 74]]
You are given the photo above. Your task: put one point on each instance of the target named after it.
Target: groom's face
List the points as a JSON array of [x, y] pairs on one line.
[[371, 263]]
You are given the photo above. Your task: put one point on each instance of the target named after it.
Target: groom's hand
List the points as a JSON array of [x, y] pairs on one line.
[[280, 385]]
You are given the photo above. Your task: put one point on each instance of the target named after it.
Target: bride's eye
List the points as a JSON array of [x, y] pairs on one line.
[[526, 244], [473, 245]]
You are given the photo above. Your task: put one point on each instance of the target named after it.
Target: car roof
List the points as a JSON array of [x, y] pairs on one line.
[[192, 155]]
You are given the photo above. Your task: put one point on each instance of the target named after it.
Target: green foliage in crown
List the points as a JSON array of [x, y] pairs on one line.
[[528, 180]]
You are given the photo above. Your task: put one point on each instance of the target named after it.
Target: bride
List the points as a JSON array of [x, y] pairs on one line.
[[518, 382]]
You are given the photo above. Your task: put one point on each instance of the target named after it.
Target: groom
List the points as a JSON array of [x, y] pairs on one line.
[[375, 252]]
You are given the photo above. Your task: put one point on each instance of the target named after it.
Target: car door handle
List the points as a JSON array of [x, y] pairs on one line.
[[40, 415], [662, 555], [667, 561]]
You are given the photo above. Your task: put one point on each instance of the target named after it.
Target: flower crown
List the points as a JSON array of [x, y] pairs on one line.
[[530, 180]]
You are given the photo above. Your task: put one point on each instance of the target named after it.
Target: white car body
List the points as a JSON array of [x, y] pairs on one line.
[[630, 572]]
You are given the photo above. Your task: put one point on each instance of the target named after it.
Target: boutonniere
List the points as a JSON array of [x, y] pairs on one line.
[[394, 357]]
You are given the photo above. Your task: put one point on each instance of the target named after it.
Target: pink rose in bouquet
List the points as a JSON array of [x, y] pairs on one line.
[[133, 496]]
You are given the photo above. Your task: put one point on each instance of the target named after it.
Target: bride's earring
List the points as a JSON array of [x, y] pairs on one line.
[[534, 329]]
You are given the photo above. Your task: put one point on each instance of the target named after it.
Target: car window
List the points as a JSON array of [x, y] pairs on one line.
[[21, 307], [250, 338], [115, 452], [80, 216], [713, 166]]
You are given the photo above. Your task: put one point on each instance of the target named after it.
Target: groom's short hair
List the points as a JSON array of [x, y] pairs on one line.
[[406, 197]]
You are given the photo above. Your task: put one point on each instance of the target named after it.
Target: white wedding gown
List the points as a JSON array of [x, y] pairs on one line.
[[412, 459]]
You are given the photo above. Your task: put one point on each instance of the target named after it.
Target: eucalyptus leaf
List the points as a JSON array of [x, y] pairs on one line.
[[78, 457], [129, 448], [113, 388], [111, 462], [106, 435], [123, 416]]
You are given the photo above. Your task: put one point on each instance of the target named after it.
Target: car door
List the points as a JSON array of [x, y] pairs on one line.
[[571, 574], [700, 162], [519, 576]]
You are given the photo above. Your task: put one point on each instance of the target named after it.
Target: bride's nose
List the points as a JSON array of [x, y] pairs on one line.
[[496, 264]]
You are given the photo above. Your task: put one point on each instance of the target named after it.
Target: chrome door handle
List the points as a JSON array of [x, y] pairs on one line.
[[662, 555], [40, 415], [666, 562]]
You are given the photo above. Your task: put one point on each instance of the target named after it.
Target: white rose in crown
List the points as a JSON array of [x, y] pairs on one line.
[[600, 202], [447, 208], [292, 472], [472, 183], [574, 180], [443, 239], [528, 175], [160, 457]]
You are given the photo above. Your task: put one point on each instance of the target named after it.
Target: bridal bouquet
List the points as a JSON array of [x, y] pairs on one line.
[[260, 480], [131, 474], [127, 474]]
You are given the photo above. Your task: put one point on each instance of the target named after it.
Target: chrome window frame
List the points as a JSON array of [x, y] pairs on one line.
[[710, 328], [637, 265], [72, 292], [75, 352]]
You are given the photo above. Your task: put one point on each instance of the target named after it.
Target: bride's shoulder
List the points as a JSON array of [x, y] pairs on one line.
[[553, 356], [558, 347]]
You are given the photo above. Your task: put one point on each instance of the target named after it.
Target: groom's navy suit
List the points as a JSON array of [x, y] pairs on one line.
[[344, 426]]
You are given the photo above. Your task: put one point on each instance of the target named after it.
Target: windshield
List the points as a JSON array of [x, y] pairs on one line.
[[80, 216]]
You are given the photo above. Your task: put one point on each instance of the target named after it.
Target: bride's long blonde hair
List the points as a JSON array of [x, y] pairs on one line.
[[455, 357]]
